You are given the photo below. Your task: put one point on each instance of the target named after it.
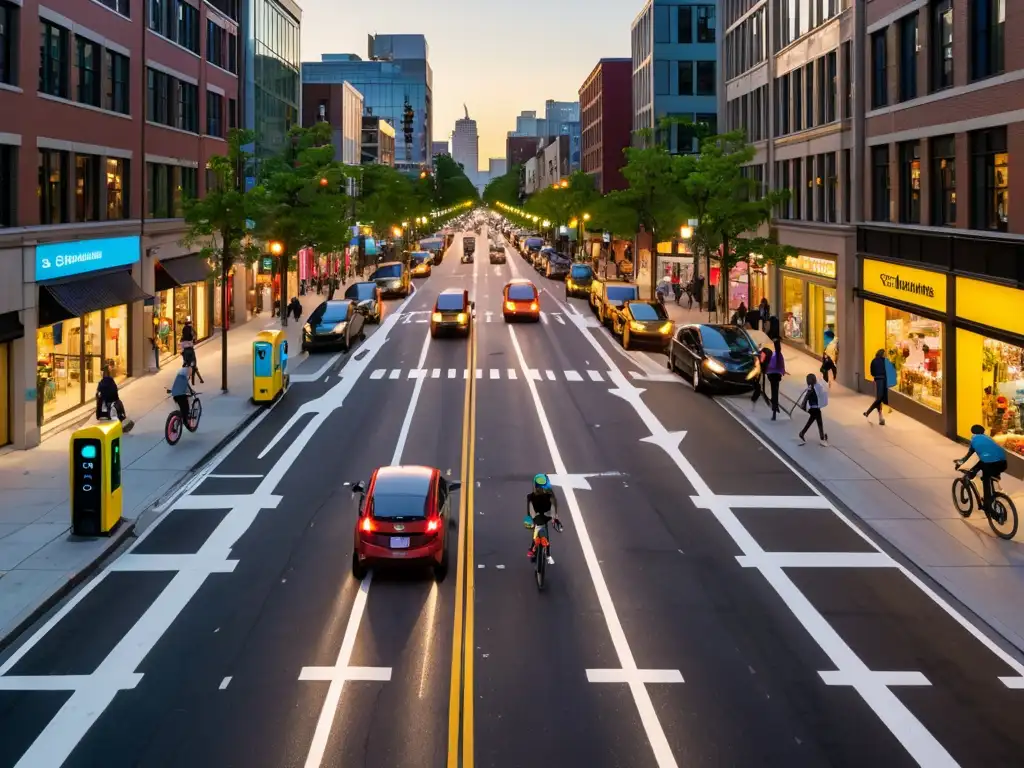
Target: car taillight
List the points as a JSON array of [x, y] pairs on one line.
[[432, 526], [510, 305], [436, 317], [533, 306], [367, 525]]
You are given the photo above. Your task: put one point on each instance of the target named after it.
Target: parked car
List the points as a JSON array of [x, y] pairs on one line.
[[716, 357], [369, 292], [333, 324], [404, 517], [520, 301], [642, 322], [453, 313], [393, 279], [577, 282], [421, 263], [557, 265], [608, 295]]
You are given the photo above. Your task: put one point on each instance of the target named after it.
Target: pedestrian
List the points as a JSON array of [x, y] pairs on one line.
[[698, 290], [740, 315], [188, 334], [677, 288], [107, 395], [879, 373], [775, 370], [689, 293], [765, 311], [295, 307], [813, 399], [188, 360]]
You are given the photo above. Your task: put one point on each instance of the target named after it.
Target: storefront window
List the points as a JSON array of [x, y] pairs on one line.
[[58, 367], [92, 334], [1002, 405], [821, 319], [793, 308], [201, 315], [163, 322], [182, 309], [115, 340], [914, 345]]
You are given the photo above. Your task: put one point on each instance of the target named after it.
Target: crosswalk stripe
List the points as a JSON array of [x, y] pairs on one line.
[[573, 376], [378, 374], [550, 375], [465, 373], [451, 373], [395, 373], [594, 376], [479, 373], [512, 373], [436, 373], [534, 374], [494, 373], [417, 373]]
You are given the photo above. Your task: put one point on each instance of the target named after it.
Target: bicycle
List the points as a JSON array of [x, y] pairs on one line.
[[174, 423], [542, 549], [967, 496]]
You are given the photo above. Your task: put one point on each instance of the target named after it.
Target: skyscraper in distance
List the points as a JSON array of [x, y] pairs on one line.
[[466, 145]]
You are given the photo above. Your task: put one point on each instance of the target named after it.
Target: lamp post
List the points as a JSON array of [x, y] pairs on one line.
[[277, 251]]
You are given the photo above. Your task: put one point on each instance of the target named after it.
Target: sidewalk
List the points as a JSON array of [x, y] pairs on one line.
[[897, 480], [39, 559]]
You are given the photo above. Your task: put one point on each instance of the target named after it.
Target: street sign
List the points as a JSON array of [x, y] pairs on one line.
[[268, 263]]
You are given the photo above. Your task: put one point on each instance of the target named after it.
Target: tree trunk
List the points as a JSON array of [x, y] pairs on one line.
[[225, 257]]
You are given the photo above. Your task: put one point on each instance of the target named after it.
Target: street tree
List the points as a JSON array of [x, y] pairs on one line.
[[451, 183], [219, 222], [504, 189], [303, 200], [729, 206]]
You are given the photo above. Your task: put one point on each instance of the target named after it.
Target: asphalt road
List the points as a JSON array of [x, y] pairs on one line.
[[706, 607]]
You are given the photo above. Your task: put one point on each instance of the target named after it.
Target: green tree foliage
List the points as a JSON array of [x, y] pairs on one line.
[[504, 189], [560, 204], [451, 184], [386, 198]]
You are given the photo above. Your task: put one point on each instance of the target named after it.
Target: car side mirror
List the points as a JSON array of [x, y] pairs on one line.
[[472, 305], [452, 487], [359, 487]]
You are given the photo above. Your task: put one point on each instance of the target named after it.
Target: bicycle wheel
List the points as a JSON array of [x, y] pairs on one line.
[[172, 428], [1003, 518], [963, 497], [194, 413], [542, 562]]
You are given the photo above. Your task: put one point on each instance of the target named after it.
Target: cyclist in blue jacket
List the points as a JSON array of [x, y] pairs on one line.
[[991, 461]]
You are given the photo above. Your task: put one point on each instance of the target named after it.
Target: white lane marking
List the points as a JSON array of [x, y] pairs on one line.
[[379, 373], [234, 477], [299, 378], [544, 317], [638, 676], [772, 502], [451, 373], [512, 373], [465, 373], [645, 707], [572, 376], [533, 374], [494, 373], [422, 320], [479, 373], [550, 375], [594, 376], [436, 373], [817, 560], [558, 317], [224, 683], [635, 374], [488, 316], [396, 373]]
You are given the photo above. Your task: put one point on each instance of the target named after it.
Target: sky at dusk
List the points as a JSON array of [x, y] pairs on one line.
[[499, 57]]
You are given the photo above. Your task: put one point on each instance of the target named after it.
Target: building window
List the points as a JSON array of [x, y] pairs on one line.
[[809, 213], [783, 184], [117, 189], [8, 187], [685, 24], [832, 86], [187, 115], [782, 107], [53, 60], [53, 187], [232, 53], [88, 60], [797, 90], [685, 78], [214, 114], [117, 83], [158, 15], [156, 96], [705, 78], [988, 29], [880, 183], [187, 187], [847, 80], [662, 32], [822, 95], [942, 45], [990, 180], [798, 192], [831, 188], [661, 86], [158, 191], [708, 123], [8, 42], [119, 6], [705, 23], [879, 73], [232, 114], [809, 94], [943, 181], [187, 18], [909, 48], [910, 182], [820, 182], [87, 188], [685, 135], [214, 44]]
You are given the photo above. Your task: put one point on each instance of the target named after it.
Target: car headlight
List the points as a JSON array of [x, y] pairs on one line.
[[307, 329], [461, 318], [396, 283], [666, 328], [714, 365], [436, 317], [635, 326], [340, 327], [755, 371]]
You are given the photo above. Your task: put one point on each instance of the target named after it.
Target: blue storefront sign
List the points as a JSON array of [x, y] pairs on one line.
[[55, 260]]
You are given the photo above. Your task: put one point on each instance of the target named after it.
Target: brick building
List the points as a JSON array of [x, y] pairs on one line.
[[605, 121]]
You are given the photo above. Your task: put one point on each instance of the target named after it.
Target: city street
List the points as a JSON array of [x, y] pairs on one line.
[[706, 606]]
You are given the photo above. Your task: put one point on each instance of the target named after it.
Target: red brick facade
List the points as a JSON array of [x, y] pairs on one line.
[[606, 98]]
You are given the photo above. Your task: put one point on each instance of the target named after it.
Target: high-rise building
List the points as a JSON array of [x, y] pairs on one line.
[[342, 107], [378, 142], [497, 166], [270, 70], [438, 148], [675, 69], [558, 113], [103, 135], [396, 83], [528, 124], [605, 125], [466, 146]]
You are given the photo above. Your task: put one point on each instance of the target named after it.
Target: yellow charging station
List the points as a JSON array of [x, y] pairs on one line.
[[96, 479], [269, 366]]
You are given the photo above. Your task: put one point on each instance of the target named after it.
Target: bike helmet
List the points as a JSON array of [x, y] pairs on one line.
[[541, 482]]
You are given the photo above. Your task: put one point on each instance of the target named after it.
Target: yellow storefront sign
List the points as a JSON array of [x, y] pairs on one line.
[[996, 306], [907, 284]]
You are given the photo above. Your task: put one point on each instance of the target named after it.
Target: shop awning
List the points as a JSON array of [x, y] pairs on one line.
[[10, 327], [74, 298], [183, 271]]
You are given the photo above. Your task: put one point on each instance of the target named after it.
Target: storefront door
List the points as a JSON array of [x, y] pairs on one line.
[[821, 317]]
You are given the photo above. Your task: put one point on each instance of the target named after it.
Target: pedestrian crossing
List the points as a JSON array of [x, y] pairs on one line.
[[495, 374]]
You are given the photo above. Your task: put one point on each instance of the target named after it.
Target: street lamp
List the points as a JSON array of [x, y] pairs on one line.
[[686, 232], [564, 183]]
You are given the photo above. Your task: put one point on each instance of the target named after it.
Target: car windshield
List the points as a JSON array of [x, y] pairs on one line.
[[391, 270], [582, 272], [521, 293], [450, 302], [361, 291], [328, 314], [725, 341], [401, 497], [534, 242], [621, 292], [645, 311], [420, 256]]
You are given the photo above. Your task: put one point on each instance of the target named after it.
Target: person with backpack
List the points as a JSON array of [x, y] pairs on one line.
[[879, 372], [188, 350], [813, 399], [774, 368]]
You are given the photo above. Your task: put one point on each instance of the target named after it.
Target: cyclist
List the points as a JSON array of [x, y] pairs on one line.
[[991, 461], [181, 390], [539, 503]]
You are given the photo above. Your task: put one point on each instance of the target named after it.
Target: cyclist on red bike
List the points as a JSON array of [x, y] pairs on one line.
[[991, 461]]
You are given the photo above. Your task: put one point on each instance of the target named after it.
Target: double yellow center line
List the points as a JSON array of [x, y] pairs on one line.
[[460, 697]]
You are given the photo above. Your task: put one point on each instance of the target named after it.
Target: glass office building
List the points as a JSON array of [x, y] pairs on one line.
[[396, 84], [272, 65]]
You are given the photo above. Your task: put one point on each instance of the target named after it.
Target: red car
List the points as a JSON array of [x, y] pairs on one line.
[[404, 517], [520, 300]]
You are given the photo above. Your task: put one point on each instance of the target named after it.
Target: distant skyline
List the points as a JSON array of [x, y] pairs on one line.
[[476, 54]]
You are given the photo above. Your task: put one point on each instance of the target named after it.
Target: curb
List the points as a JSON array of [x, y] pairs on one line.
[[124, 531]]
